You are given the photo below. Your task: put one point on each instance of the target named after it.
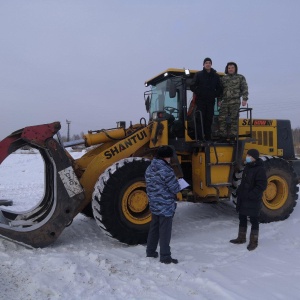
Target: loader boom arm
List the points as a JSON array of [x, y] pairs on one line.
[[96, 164]]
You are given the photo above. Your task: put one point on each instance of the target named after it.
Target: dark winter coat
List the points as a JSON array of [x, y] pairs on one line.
[[162, 187], [250, 191], [206, 86]]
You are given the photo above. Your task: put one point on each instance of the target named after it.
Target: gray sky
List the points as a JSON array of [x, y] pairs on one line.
[[87, 60]]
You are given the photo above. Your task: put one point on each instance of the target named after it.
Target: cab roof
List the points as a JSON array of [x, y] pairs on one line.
[[171, 71]]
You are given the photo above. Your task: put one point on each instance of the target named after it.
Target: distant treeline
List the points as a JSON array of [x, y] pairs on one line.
[[74, 137], [296, 139], [296, 135]]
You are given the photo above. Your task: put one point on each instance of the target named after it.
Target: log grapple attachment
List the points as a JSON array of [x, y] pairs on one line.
[[63, 193]]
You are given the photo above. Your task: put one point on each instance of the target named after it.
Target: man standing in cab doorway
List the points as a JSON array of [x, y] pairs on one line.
[[234, 87], [206, 85]]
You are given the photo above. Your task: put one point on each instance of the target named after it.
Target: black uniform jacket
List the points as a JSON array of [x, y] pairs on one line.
[[206, 86], [250, 191]]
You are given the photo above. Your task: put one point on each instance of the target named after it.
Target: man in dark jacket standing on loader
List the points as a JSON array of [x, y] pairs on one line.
[[207, 86], [162, 187], [249, 198]]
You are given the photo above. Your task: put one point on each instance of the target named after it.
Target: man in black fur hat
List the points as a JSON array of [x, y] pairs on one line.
[[249, 198]]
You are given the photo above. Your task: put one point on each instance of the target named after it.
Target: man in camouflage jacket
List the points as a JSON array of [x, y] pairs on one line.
[[234, 87], [162, 187]]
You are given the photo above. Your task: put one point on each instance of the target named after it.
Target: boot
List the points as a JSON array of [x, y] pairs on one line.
[[253, 240], [241, 239], [169, 260]]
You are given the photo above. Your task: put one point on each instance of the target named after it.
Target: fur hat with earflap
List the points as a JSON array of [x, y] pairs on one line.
[[231, 63]]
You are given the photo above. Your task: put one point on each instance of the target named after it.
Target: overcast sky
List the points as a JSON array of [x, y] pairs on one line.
[[87, 60]]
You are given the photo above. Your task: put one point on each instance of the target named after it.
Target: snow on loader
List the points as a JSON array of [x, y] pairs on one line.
[[107, 182]]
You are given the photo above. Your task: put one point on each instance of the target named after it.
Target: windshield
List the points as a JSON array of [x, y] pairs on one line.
[[161, 101]]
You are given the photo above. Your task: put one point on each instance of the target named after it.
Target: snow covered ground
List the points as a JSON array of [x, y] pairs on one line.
[[85, 264]]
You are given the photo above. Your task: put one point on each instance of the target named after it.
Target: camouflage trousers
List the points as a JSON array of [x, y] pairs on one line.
[[229, 116]]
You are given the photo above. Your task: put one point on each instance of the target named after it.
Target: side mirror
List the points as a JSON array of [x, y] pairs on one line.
[[147, 104], [172, 89]]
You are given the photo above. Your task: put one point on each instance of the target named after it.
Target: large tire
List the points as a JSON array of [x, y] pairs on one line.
[[279, 199], [120, 203]]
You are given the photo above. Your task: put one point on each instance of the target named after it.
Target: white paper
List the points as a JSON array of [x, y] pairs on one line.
[[183, 184]]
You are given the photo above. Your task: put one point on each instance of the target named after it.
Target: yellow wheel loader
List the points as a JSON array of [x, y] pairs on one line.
[[108, 183]]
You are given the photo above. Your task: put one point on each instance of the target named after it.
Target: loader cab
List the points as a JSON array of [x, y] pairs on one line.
[[165, 103], [169, 99]]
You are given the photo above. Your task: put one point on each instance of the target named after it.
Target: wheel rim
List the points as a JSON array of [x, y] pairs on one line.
[[135, 205], [276, 193]]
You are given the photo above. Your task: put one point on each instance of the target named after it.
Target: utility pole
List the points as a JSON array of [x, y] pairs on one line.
[[68, 123]]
